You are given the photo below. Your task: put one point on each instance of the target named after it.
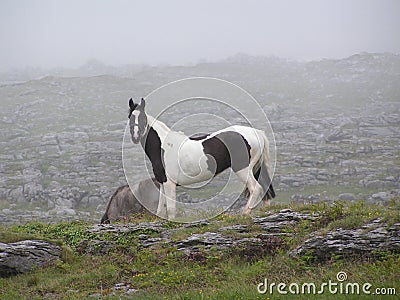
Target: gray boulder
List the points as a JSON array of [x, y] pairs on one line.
[[365, 241], [347, 196], [24, 256]]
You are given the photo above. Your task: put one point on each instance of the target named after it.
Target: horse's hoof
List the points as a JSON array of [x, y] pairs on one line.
[[266, 203], [162, 214], [171, 215]]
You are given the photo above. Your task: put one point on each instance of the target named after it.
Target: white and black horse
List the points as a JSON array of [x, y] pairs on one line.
[[177, 159]]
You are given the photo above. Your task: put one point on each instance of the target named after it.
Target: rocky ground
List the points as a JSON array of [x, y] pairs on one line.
[[254, 238], [336, 125]]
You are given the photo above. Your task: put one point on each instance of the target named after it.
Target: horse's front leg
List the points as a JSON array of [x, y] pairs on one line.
[[161, 212], [170, 193]]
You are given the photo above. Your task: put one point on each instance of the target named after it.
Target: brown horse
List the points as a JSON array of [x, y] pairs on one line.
[[124, 203]]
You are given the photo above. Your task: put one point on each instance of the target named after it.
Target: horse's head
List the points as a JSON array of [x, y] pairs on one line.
[[137, 120]]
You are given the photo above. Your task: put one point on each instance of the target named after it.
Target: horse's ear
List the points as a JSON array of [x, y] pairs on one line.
[[132, 107], [142, 103], [131, 104]]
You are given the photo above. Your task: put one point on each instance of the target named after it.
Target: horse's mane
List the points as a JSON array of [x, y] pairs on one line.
[[152, 120]]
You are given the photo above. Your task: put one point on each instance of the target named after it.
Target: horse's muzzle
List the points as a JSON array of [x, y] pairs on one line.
[[135, 140]]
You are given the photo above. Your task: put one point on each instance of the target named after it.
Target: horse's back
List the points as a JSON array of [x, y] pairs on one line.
[[255, 137]]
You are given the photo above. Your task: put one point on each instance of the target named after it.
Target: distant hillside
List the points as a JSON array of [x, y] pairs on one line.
[[336, 125]]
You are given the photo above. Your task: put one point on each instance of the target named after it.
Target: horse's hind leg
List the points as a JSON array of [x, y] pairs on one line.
[[255, 189]]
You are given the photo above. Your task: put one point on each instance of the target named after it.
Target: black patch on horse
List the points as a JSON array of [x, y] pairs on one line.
[[152, 146], [198, 136], [229, 149]]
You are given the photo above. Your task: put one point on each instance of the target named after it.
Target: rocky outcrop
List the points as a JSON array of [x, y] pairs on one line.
[[366, 241], [243, 239], [276, 223], [197, 246], [238, 238], [255, 238], [24, 256]]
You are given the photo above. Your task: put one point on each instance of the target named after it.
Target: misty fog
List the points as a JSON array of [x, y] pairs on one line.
[[326, 74], [50, 34]]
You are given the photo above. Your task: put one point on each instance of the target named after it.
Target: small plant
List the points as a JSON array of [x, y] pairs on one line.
[[308, 258]]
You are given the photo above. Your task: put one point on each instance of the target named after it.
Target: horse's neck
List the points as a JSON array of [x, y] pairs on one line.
[[161, 129]]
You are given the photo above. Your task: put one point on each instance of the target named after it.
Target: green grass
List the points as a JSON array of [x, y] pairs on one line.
[[166, 273]]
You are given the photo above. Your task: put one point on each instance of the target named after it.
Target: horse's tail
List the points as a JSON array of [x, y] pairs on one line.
[[264, 178]]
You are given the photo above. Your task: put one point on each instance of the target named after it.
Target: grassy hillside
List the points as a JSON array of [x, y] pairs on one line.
[[90, 267]]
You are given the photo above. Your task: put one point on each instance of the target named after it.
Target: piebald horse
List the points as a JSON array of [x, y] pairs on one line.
[[177, 159]]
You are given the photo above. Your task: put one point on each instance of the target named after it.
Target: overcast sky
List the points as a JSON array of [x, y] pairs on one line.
[[51, 33]]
